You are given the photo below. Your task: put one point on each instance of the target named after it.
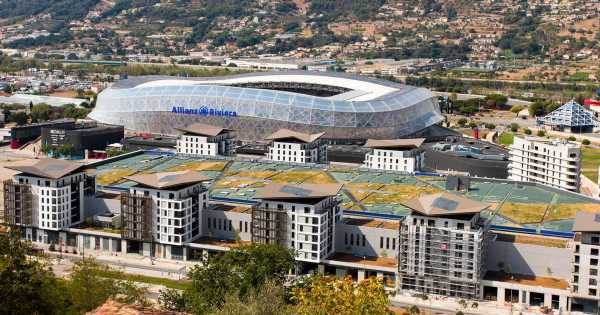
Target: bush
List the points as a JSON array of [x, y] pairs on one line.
[[514, 127], [472, 124], [571, 138], [52, 247], [462, 122], [527, 131], [490, 126], [541, 133], [585, 142]]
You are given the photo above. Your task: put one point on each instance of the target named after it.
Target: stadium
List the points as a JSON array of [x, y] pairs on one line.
[[258, 104]]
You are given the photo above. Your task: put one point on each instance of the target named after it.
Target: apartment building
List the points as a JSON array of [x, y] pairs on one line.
[[296, 147], [164, 208], [585, 260], [302, 217], [442, 246], [551, 162], [205, 140], [45, 197], [403, 155]]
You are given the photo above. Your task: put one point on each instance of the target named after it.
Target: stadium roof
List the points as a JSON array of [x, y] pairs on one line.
[[168, 179], [586, 222], [203, 129], [286, 134], [396, 143], [299, 191], [48, 168], [26, 99], [444, 204], [570, 114]]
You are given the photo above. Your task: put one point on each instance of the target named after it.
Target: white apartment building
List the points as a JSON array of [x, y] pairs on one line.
[[551, 162], [403, 155], [442, 246], [586, 256], [301, 217], [297, 147], [46, 196], [205, 140], [166, 208]]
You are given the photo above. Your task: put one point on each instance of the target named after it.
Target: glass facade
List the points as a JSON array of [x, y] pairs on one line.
[[260, 112]]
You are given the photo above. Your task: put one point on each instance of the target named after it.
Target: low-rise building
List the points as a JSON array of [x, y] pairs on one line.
[[291, 146], [585, 258], [554, 163], [206, 140], [404, 155]]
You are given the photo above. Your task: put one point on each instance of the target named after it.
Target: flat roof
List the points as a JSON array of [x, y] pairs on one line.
[[48, 168], [204, 130], [394, 143], [546, 282], [286, 134], [373, 261], [298, 191], [586, 222], [443, 204], [391, 225], [168, 179]]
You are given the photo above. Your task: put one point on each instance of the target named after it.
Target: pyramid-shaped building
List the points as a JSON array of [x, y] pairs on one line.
[[570, 117]]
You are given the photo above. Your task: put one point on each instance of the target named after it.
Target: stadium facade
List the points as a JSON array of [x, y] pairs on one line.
[[258, 104]]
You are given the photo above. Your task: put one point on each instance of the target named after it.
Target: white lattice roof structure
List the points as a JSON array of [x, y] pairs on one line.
[[571, 115]]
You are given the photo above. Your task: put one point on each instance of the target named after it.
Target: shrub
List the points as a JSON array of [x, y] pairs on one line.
[[490, 126], [462, 121], [52, 247], [472, 124], [541, 133], [585, 142], [571, 138], [514, 127], [527, 131]]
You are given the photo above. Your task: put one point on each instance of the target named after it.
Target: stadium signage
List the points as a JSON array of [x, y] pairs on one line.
[[203, 111]]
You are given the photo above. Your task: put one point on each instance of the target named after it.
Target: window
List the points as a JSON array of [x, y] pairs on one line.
[[593, 272], [381, 242], [594, 252]]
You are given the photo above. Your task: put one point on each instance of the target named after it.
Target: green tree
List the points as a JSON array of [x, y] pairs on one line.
[[462, 122], [270, 299], [514, 127], [541, 133], [527, 131], [27, 285], [585, 142], [328, 295], [41, 112], [516, 109], [572, 138], [20, 118], [65, 149], [239, 271], [495, 101]]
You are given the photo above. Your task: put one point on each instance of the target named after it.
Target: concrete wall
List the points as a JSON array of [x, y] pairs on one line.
[[530, 259], [94, 205], [225, 217], [372, 241]]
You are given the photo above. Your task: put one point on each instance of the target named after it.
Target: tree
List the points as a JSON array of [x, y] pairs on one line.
[[490, 126], [20, 118], [328, 295], [270, 299], [41, 112], [541, 133], [27, 285], [475, 305], [413, 310], [65, 149], [571, 138], [517, 109], [462, 122], [239, 271], [527, 131], [462, 303], [585, 142], [172, 300], [92, 284], [514, 127], [495, 101]]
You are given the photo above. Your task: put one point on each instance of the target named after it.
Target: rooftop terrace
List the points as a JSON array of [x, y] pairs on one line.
[[370, 193]]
